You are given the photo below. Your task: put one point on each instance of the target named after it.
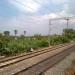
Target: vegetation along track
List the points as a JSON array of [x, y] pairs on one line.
[[7, 62]]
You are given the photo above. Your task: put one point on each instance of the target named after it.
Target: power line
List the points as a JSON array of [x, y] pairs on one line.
[[29, 6], [41, 4], [65, 18], [23, 4]]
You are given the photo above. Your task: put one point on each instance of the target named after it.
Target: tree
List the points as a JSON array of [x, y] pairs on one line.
[[0, 34], [22, 36], [24, 33], [6, 33], [70, 33], [38, 36], [15, 32]]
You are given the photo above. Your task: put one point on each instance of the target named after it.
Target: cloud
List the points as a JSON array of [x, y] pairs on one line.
[[71, 7], [68, 8], [59, 1]]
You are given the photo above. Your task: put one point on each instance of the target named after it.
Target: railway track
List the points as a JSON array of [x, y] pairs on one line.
[[3, 59], [6, 63], [12, 60]]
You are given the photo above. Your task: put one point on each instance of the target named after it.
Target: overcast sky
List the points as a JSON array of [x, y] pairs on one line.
[[33, 15]]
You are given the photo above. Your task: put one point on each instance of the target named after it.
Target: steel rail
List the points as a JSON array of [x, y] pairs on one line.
[[16, 60], [14, 57]]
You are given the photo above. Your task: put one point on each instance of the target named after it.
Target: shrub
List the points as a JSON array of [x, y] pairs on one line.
[[42, 43], [3, 46]]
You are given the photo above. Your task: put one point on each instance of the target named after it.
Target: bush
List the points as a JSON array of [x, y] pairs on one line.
[[16, 48], [42, 43], [3, 46], [59, 40]]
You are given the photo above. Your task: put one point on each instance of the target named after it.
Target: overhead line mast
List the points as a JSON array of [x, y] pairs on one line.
[[63, 18], [49, 32]]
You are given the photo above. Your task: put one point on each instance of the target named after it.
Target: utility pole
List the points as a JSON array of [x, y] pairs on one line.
[[49, 32], [67, 22]]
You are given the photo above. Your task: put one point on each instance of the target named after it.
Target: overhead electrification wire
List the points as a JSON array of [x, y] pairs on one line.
[[45, 8], [42, 4], [61, 18], [23, 4]]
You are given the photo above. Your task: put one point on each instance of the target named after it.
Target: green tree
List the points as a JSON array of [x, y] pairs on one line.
[[38, 36], [24, 33], [15, 32], [6, 33], [70, 33]]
